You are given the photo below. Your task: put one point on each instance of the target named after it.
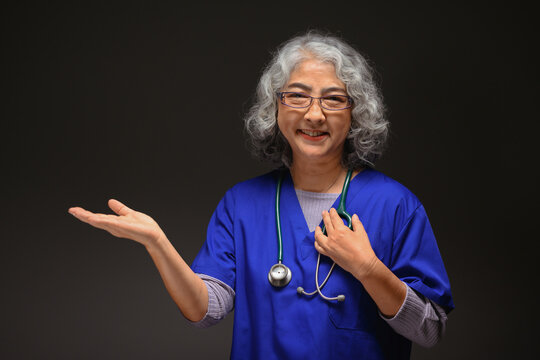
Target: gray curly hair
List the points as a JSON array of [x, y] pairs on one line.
[[369, 128]]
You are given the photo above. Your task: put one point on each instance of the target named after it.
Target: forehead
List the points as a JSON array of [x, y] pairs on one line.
[[315, 73]]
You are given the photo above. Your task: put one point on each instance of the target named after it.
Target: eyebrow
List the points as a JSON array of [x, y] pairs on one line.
[[308, 88]]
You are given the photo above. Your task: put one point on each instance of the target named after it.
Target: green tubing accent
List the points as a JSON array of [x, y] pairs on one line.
[[278, 221], [341, 208]]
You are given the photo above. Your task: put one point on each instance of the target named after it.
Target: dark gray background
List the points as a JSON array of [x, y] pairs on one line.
[[98, 103]]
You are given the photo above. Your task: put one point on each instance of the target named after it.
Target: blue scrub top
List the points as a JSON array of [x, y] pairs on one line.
[[278, 323]]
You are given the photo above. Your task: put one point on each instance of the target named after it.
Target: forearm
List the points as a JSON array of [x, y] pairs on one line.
[[185, 287], [385, 288]]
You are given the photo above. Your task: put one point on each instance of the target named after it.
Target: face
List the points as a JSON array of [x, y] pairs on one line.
[[314, 133]]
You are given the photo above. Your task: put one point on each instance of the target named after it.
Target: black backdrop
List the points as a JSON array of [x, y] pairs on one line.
[[97, 104]]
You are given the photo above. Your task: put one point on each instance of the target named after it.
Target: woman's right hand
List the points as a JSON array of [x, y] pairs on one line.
[[186, 288], [129, 224]]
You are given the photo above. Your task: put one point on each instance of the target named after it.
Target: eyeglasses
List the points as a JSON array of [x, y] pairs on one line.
[[301, 100]]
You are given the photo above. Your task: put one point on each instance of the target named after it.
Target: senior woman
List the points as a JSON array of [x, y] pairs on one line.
[[319, 118]]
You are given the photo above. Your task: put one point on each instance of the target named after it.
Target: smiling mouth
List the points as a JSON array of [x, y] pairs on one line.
[[313, 133]]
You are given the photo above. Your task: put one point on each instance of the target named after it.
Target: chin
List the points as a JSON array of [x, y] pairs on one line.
[[315, 156]]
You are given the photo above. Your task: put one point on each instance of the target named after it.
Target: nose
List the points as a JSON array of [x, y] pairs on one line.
[[315, 112]]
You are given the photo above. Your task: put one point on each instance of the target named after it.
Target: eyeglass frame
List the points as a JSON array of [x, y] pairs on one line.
[[281, 95]]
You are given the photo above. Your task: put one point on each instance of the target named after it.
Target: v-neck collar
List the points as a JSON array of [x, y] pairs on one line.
[[293, 211]]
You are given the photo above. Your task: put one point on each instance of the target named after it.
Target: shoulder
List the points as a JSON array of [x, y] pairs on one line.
[[384, 185], [257, 183], [385, 190], [252, 189], [245, 197]]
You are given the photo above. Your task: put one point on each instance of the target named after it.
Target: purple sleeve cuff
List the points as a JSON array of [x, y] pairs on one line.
[[220, 301], [419, 320]]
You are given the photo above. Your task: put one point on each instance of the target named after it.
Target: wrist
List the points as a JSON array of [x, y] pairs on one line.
[[366, 269], [157, 242]]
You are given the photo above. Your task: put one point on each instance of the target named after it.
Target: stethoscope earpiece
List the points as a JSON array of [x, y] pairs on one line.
[[300, 290]]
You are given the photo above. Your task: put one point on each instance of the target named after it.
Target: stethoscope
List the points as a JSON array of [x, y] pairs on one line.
[[279, 274]]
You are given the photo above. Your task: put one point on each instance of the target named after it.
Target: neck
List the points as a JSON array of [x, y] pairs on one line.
[[326, 177]]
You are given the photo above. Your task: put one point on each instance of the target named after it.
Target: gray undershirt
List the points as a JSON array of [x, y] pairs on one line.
[[419, 319]]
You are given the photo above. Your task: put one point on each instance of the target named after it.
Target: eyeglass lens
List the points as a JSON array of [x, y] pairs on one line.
[[300, 100]]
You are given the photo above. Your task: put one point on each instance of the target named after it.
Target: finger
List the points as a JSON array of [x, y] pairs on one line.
[[357, 224], [319, 236], [327, 222], [85, 215], [337, 221], [113, 229], [105, 218], [319, 248], [75, 210], [118, 207], [320, 240], [80, 213], [111, 223], [98, 220]]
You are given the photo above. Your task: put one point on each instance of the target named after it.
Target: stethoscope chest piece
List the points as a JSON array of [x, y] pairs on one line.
[[279, 275]]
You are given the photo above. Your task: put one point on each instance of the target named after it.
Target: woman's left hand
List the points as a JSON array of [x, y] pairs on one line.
[[350, 249]]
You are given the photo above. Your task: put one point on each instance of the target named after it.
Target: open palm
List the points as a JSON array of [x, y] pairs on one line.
[[129, 224]]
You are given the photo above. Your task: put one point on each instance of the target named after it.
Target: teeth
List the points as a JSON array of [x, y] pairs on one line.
[[312, 133]]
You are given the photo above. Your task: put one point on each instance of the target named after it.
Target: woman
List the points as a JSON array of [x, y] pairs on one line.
[[318, 115]]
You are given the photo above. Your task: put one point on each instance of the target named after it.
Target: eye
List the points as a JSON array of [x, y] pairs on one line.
[[336, 99], [295, 95], [296, 99]]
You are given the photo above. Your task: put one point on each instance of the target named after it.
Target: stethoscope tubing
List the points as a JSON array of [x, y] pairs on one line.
[[341, 212], [278, 220]]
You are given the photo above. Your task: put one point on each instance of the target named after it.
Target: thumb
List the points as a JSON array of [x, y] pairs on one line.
[[357, 224], [118, 207]]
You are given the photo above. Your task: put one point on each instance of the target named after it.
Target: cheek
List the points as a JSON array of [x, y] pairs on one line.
[[284, 122], [343, 127]]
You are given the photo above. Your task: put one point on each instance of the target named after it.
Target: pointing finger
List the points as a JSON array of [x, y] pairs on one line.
[[118, 207]]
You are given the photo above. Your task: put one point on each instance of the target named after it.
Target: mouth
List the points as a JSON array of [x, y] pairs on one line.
[[313, 135]]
